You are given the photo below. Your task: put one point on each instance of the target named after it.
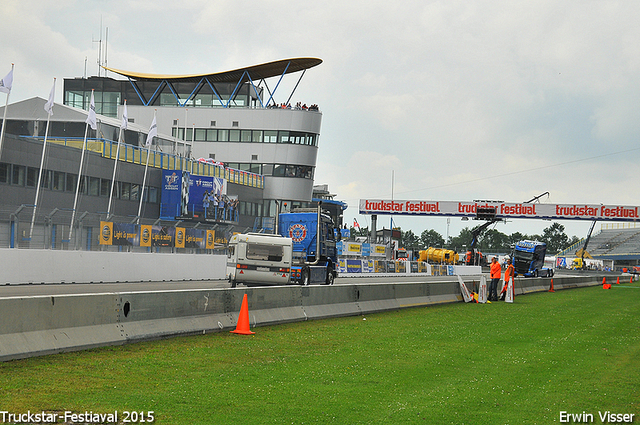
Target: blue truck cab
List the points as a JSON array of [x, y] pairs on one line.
[[314, 246], [528, 259]]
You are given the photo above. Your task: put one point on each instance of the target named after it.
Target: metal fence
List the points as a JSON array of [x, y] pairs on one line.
[[51, 230]]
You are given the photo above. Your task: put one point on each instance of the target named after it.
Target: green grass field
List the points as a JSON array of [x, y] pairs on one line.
[[523, 363]]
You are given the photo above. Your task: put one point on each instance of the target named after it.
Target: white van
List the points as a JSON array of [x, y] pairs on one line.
[[257, 259]]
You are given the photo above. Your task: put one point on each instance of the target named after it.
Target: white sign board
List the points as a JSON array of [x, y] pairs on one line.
[[503, 210]]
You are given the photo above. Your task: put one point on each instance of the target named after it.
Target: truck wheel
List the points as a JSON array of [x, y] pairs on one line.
[[551, 272], [330, 276]]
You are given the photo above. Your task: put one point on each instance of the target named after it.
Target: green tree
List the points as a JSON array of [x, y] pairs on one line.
[[410, 241], [355, 232], [494, 241], [462, 242], [431, 238], [555, 238]]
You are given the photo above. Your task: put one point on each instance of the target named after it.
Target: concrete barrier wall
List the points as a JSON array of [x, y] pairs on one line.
[[21, 266], [33, 326]]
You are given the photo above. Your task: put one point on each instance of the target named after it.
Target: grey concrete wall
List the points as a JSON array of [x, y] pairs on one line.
[[22, 266], [32, 326]]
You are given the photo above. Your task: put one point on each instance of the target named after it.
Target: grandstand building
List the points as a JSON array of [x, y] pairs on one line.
[[230, 125], [619, 247]]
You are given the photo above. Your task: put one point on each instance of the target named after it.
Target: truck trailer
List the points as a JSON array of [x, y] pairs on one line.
[[303, 251]]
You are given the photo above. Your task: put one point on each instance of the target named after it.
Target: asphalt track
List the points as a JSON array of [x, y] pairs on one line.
[[32, 290]]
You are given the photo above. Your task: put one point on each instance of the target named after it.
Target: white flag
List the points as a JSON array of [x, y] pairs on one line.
[[6, 82], [125, 117], [153, 131], [49, 105], [91, 118]]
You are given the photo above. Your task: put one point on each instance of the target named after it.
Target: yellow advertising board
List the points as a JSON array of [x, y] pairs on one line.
[[145, 235], [180, 237], [211, 239], [355, 248], [106, 232]]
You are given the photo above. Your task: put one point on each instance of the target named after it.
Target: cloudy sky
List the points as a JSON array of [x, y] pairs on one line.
[[456, 100]]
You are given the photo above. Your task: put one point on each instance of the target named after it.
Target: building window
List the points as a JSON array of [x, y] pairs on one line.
[[4, 173], [32, 176], [47, 179], [135, 192], [71, 183], [94, 186], [212, 135], [58, 180], [125, 191], [151, 195], [201, 134], [283, 137], [270, 136], [245, 136], [105, 187], [234, 135], [17, 175]]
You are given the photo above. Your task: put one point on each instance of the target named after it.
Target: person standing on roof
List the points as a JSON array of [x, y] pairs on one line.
[[496, 272]]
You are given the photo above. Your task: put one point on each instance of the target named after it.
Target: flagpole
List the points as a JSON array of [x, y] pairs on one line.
[[75, 200], [115, 165], [4, 118], [152, 132], [49, 107], [113, 179], [84, 145], [144, 182]]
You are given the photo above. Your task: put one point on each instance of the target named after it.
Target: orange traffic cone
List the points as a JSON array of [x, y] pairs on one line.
[[551, 289], [618, 281], [242, 327], [606, 286], [631, 279], [604, 280]]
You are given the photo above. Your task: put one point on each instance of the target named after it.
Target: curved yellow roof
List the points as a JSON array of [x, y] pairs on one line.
[[256, 72]]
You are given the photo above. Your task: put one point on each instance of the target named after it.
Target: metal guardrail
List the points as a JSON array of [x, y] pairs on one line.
[[137, 155]]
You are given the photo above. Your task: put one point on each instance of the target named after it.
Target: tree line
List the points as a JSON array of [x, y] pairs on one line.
[[491, 240]]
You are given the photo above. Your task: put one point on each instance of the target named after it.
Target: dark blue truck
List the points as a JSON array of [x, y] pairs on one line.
[[528, 259]]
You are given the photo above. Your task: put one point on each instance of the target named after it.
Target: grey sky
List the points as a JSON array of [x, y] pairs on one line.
[[460, 100]]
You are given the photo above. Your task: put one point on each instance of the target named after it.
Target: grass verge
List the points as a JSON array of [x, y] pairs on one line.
[[523, 363]]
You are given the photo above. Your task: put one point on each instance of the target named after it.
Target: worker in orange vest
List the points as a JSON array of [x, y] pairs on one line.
[[496, 272], [508, 274]]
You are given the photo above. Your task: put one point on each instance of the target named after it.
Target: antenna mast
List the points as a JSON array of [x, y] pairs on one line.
[[99, 41]]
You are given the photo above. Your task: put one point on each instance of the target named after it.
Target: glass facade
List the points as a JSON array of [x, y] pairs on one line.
[[109, 93], [246, 136], [20, 175]]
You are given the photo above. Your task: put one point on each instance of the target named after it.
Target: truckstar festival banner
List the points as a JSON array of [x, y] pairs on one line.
[[503, 210]]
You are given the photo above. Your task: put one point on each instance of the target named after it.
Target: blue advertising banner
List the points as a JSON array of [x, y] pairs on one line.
[[125, 234], [171, 194], [354, 266], [195, 238], [162, 235], [199, 186]]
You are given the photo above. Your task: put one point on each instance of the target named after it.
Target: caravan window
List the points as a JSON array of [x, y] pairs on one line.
[[264, 252]]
